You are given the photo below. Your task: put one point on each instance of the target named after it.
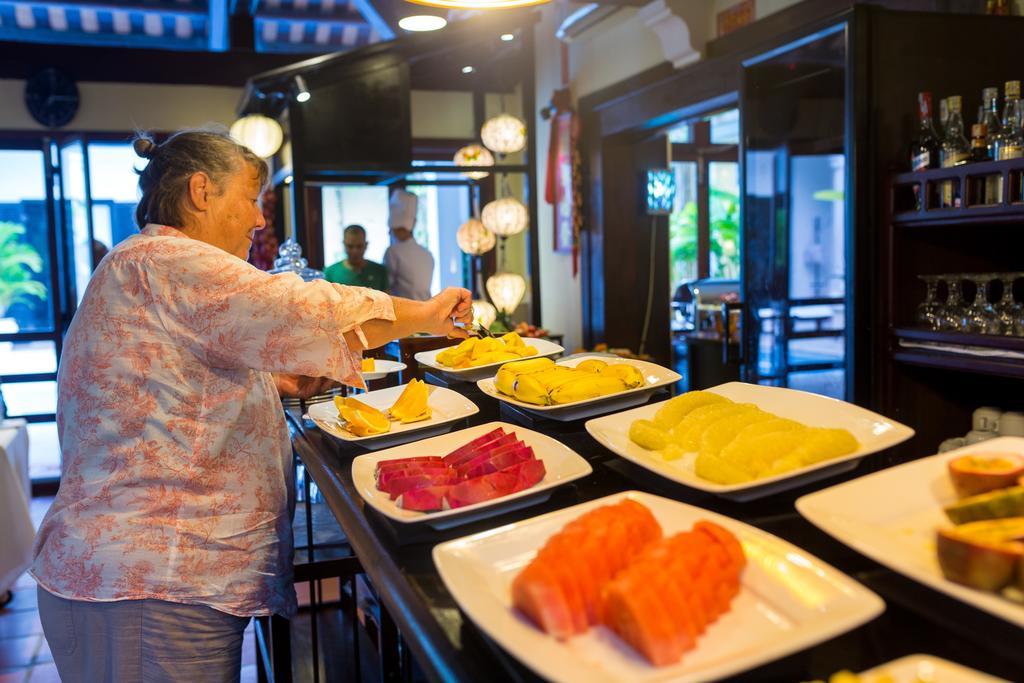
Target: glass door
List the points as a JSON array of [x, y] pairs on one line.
[[30, 298], [796, 217], [77, 211]]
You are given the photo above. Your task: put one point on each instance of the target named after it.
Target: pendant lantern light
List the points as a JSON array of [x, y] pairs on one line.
[[474, 155], [506, 291], [505, 217], [474, 239], [484, 314], [261, 134], [504, 134]]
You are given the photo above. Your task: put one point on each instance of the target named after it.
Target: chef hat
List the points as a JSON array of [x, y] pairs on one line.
[[402, 210]]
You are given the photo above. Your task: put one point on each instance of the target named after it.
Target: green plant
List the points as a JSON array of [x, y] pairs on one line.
[[18, 262], [725, 237], [725, 233]]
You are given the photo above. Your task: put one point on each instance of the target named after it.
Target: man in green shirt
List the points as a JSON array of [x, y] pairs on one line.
[[356, 270]]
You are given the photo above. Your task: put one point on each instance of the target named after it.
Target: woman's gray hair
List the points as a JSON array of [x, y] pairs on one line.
[[164, 181]]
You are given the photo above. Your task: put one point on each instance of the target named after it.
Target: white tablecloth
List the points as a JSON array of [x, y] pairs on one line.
[[16, 532]]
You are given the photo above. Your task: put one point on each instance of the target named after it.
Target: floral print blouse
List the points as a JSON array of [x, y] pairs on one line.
[[175, 449]]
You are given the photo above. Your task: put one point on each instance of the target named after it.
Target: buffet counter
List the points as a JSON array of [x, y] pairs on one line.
[[448, 647]]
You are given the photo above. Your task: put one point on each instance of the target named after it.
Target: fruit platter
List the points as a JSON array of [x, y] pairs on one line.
[[954, 522], [477, 357], [745, 441], [391, 416], [465, 475], [577, 387], [379, 368], [634, 587], [914, 669]]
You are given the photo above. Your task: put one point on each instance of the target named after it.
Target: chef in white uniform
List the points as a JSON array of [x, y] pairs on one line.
[[410, 266]]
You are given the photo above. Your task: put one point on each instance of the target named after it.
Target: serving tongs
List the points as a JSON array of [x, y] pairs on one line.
[[476, 330]]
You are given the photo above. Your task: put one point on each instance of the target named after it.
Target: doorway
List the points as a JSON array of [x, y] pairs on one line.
[[704, 241]]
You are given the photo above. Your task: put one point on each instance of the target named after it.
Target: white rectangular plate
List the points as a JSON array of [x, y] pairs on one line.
[[788, 601], [447, 407], [892, 516], [544, 348], [917, 668], [873, 431], [382, 368], [655, 377], [561, 462]]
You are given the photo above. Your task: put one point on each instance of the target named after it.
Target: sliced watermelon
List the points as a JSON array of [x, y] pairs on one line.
[[384, 465], [423, 499], [384, 479], [459, 454], [494, 460], [397, 487]]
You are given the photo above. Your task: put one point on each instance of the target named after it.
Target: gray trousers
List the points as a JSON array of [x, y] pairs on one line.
[[141, 641]]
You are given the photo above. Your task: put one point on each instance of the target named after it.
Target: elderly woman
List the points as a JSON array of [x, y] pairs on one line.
[[171, 526]]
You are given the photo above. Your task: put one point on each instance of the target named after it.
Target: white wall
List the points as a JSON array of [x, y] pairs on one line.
[[559, 291], [441, 114], [126, 106], [615, 50]]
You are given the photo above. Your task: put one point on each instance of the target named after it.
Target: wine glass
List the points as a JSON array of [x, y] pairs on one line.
[[980, 317], [951, 318], [927, 314], [1007, 309]]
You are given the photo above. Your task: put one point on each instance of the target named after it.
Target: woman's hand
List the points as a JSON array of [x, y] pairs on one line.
[[433, 316], [452, 305], [300, 386]]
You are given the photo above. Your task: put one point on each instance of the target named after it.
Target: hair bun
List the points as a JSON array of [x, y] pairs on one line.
[[144, 147]]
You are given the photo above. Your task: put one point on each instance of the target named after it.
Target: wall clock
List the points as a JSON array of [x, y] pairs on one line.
[[51, 97]]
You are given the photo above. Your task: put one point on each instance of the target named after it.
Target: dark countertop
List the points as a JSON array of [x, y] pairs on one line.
[[397, 560]]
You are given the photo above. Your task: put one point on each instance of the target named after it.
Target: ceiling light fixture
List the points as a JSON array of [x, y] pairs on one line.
[[478, 4], [508, 37], [467, 69], [422, 22], [300, 88]]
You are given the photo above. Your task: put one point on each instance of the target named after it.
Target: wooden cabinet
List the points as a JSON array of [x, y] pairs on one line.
[[933, 380]]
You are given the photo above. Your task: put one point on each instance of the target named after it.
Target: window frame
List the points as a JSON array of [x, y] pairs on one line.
[[703, 153]]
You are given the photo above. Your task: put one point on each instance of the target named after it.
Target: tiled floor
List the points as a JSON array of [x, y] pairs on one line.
[[24, 654]]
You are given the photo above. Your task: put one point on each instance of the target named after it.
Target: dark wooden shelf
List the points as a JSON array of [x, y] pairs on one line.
[[959, 172], [1001, 367], [991, 341], [993, 215], [1009, 211]]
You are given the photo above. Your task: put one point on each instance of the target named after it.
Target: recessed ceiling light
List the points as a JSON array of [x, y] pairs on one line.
[[468, 69], [287, 180], [422, 22], [507, 37]]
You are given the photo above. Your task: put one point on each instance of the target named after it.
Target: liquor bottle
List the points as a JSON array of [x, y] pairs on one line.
[[924, 150], [1009, 143], [998, 7], [979, 143], [955, 150], [943, 115], [990, 117]]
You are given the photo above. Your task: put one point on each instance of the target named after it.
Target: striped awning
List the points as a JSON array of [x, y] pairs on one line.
[[299, 26]]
